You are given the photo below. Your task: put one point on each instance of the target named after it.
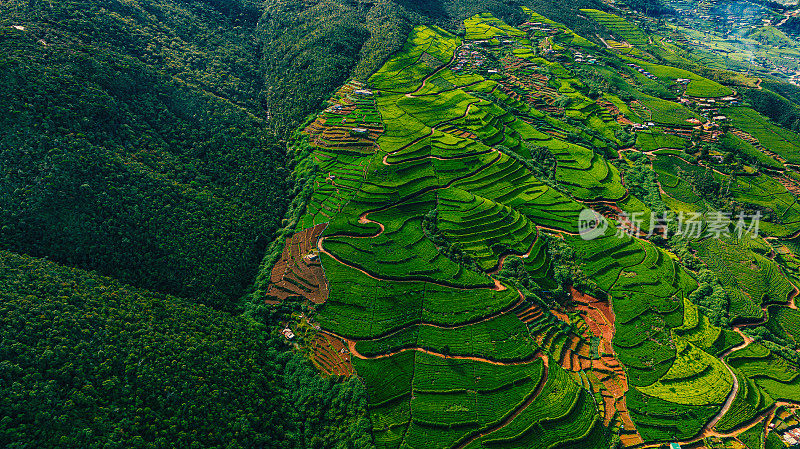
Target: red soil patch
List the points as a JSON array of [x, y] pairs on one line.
[[532, 313], [331, 355], [790, 184], [450, 129], [608, 209], [614, 111], [573, 355], [599, 319], [299, 273]]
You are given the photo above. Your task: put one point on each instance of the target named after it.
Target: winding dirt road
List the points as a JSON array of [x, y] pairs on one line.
[[708, 429], [351, 346], [505, 421]]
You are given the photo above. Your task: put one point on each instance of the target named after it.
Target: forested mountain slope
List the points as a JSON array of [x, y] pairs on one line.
[[131, 143], [87, 362], [352, 224]]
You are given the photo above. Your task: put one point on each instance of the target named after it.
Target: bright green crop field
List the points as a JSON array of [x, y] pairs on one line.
[[468, 294]]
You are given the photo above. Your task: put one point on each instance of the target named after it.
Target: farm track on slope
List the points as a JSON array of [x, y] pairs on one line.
[[542, 381], [351, 346], [707, 430], [432, 74], [363, 219], [498, 286], [430, 134]]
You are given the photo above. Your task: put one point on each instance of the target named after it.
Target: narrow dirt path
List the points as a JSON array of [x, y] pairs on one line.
[[502, 259], [484, 319], [792, 296], [557, 231], [731, 396], [434, 73], [505, 421], [351, 346], [497, 285], [439, 92], [433, 130], [438, 158], [708, 429]]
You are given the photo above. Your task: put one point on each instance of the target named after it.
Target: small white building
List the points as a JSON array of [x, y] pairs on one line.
[[288, 333]]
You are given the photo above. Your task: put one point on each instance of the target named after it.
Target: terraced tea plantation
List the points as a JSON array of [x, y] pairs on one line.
[[440, 244]]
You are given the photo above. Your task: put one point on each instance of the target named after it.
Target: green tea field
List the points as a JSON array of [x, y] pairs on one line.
[[446, 196]]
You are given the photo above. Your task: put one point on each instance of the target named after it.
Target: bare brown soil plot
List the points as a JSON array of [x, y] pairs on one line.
[[600, 321], [331, 355], [299, 273]]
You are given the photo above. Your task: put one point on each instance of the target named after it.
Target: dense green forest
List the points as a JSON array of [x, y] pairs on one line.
[[132, 144], [146, 170], [87, 362]]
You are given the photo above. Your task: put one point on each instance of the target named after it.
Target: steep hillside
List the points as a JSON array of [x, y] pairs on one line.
[[451, 224], [87, 362], [313, 47], [136, 139], [493, 236], [131, 143]]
